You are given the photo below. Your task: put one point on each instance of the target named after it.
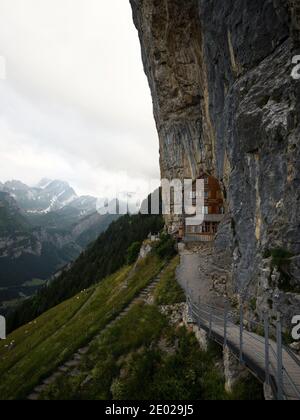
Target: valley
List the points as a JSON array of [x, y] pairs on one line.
[[42, 230]]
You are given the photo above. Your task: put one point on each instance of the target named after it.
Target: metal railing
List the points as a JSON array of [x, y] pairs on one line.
[[192, 237], [268, 359], [213, 217]]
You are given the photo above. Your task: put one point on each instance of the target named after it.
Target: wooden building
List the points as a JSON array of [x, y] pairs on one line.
[[212, 211]]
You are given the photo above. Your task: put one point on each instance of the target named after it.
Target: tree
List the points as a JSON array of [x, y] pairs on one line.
[[133, 252]]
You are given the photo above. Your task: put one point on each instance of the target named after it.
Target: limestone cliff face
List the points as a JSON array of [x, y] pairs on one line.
[[225, 102]]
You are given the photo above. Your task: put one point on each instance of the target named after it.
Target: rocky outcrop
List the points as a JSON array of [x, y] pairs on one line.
[[233, 370], [145, 250], [225, 103]]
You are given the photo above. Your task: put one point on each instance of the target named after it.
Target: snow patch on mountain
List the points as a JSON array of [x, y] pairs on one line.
[[49, 196]]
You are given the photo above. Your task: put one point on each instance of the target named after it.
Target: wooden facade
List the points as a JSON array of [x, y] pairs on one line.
[[213, 213]]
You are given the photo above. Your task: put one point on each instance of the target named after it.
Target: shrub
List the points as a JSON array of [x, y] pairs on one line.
[[281, 259], [133, 252], [253, 303], [248, 389], [165, 249], [168, 291]]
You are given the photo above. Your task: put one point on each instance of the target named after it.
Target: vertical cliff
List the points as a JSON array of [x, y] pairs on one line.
[[225, 103]]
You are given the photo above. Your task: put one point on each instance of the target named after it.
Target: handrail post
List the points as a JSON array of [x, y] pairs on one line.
[[279, 359], [188, 307], [210, 323], [267, 348], [241, 333], [198, 313], [225, 325]]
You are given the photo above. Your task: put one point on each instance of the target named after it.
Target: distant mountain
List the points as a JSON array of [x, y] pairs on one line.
[[44, 182], [47, 196], [28, 255], [51, 203], [11, 217], [42, 229], [65, 217]]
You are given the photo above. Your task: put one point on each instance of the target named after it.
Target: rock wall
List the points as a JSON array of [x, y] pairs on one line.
[[225, 103]]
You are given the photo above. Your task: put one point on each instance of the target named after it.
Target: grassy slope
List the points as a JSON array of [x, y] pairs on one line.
[[139, 357], [142, 357], [101, 259], [39, 347], [167, 291]]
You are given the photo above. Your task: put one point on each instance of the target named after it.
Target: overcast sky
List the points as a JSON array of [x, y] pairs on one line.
[[75, 104]]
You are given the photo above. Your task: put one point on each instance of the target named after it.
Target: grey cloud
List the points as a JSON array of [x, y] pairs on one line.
[[76, 102]]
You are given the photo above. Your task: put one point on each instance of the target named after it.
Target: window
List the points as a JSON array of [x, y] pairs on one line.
[[199, 229], [192, 229], [214, 227], [205, 210], [206, 227]]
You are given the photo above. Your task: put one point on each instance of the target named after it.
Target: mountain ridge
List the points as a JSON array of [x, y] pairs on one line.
[[34, 244], [48, 195]]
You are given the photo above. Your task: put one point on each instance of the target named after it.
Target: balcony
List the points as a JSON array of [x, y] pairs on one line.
[[197, 220], [213, 217], [198, 238]]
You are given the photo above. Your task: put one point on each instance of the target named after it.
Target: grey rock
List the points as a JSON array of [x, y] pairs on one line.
[[225, 103], [295, 346], [234, 371]]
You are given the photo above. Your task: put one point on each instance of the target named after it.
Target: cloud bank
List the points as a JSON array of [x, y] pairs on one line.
[[75, 104]]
